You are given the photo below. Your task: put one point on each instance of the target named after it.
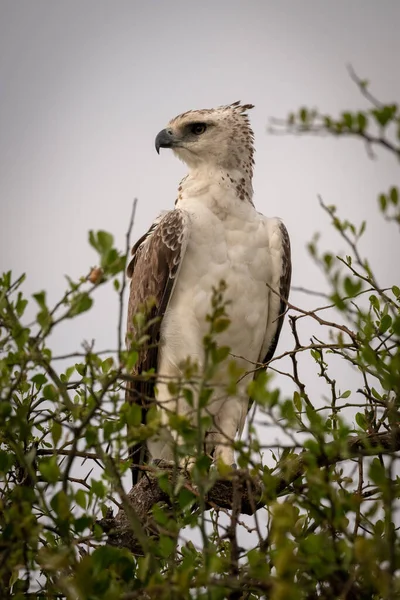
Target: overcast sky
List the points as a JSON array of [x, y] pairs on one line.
[[85, 86]]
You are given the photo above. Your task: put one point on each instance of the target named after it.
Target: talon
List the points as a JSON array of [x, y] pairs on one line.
[[187, 464]]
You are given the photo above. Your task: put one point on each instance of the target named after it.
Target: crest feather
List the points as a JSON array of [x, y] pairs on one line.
[[239, 107]]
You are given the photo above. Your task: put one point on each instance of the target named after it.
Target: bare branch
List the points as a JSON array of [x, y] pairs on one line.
[[251, 493], [123, 286]]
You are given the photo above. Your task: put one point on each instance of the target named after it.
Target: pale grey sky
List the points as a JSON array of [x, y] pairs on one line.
[[85, 86]]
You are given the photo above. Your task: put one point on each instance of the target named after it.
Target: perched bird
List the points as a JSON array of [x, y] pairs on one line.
[[213, 234]]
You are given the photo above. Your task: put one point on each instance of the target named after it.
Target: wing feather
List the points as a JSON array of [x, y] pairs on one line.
[[154, 267], [284, 288], [278, 300]]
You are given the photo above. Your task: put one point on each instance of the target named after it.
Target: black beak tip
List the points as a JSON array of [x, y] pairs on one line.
[[164, 140]]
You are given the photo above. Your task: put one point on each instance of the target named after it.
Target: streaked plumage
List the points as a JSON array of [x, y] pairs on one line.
[[213, 234]]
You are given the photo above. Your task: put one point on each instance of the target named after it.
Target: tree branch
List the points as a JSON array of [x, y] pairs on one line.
[[242, 490]]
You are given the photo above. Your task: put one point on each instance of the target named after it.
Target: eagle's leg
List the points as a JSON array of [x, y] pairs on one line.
[[227, 422], [169, 404]]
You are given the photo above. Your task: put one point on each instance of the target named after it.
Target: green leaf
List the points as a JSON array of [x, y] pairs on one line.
[[315, 418], [396, 326], [39, 380], [256, 558], [131, 359], [56, 431], [316, 354], [165, 545], [346, 394], [374, 302], [328, 260], [6, 461], [339, 302], [43, 317], [362, 228], [6, 280], [105, 241], [361, 421], [383, 202], [83, 523], [133, 415], [107, 364], [361, 121], [221, 325], [44, 320], [159, 513], [377, 472], [383, 115], [287, 408], [102, 241], [379, 528], [97, 488], [81, 369], [49, 469], [257, 388], [40, 298], [93, 240], [60, 504], [352, 286], [205, 396], [303, 115], [91, 435], [20, 305], [203, 464], [80, 303], [81, 498], [376, 394], [108, 429], [297, 401], [50, 392], [188, 395], [220, 354], [348, 119], [394, 195], [186, 498], [385, 323]]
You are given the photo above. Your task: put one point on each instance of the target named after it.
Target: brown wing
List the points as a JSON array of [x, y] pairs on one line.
[[156, 261], [277, 309], [284, 288]]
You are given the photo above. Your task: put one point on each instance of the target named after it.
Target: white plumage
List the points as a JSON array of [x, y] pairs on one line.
[[214, 234]]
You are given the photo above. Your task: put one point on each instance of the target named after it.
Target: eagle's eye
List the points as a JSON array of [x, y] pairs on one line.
[[198, 128]]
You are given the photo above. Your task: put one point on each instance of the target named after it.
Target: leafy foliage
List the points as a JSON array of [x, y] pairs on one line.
[[324, 525]]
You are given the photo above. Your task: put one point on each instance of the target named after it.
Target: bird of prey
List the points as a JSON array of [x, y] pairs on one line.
[[213, 234]]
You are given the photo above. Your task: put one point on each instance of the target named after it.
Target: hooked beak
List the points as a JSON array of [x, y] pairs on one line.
[[165, 139]]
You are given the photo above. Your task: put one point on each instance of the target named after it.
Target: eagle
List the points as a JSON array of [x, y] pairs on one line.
[[213, 234]]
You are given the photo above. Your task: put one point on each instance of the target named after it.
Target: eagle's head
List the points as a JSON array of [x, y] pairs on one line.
[[217, 137]]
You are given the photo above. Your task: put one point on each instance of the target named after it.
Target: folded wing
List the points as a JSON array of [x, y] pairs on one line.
[[157, 258]]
